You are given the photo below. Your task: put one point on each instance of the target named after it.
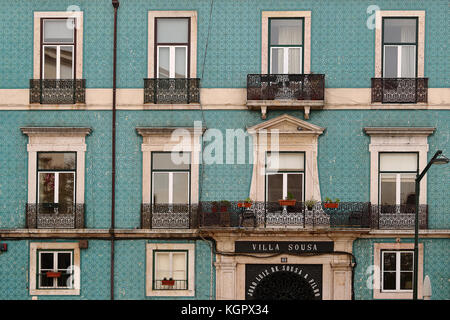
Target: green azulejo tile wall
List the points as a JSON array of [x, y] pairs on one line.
[[435, 264], [130, 270], [343, 158], [342, 46]]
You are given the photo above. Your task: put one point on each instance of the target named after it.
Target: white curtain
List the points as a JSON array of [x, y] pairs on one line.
[[408, 34]]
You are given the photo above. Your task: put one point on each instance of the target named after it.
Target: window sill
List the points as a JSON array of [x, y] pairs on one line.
[[171, 293], [55, 292]]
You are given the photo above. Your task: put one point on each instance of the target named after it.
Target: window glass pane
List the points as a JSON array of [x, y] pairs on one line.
[[56, 161], [398, 162], [180, 187], [66, 191], [171, 161], [408, 189], [294, 60], [406, 261], [45, 281], [46, 261], [179, 266], [58, 30], [64, 260], [172, 30], [277, 60], [389, 261], [49, 62], [286, 31], [406, 280], [389, 280], [160, 188], [285, 161], [275, 187], [164, 62], [390, 61], [408, 61], [388, 188], [63, 281], [66, 59], [180, 62], [46, 187], [294, 186], [162, 267], [399, 30]]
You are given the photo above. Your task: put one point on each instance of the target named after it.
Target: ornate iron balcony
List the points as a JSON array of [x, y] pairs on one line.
[[169, 284], [54, 216], [216, 214], [285, 86], [398, 216], [399, 90], [172, 90], [61, 91]]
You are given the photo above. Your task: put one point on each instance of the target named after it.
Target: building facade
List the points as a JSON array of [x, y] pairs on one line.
[[223, 110]]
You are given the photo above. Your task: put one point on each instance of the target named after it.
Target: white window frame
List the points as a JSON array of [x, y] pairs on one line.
[[56, 189], [54, 269], [58, 59], [397, 270], [192, 54], [78, 49], [35, 248], [190, 248], [377, 285], [285, 182], [399, 58], [171, 267], [286, 58], [172, 60]]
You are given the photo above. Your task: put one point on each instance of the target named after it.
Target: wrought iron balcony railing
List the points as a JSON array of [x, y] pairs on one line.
[[54, 216], [285, 86], [170, 285], [57, 91], [398, 216], [213, 214], [399, 90], [172, 90]]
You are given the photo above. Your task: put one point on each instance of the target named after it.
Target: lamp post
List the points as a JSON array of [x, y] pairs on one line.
[[434, 160]]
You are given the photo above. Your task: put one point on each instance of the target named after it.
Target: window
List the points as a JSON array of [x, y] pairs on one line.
[[172, 47], [55, 269], [58, 48], [56, 181], [170, 270], [170, 177], [284, 175], [399, 47], [397, 180], [397, 271], [286, 45]]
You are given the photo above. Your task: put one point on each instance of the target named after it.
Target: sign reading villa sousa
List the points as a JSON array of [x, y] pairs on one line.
[[283, 246]]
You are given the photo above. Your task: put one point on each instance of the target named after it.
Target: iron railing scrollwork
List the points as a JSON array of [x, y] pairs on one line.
[[54, 216], [285, 86], [172, 90], [213, 214], [400, 90], [57, 91], [170, 285]]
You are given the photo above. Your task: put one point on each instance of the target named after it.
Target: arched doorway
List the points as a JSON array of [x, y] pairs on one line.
[[284, 285]]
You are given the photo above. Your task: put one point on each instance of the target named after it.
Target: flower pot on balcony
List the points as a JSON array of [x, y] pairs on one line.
[[284, 203], [53, 274], [244, 205], [168, 282], [331, 205]]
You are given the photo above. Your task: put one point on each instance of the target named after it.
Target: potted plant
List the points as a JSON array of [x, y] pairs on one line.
[[247, 203], [310, 204], [330, 204], [224, 205], [169, 282], [52, 274], [289, 201], [215, 206]]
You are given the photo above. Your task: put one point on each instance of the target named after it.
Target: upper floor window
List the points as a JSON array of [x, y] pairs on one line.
[[285, 175], [397, 179], [58, 48], [56, 181], [400, 47], [172, 45], [170, 177], [286, 45]]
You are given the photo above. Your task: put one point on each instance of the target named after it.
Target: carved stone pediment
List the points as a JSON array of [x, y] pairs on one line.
[[286, 124]]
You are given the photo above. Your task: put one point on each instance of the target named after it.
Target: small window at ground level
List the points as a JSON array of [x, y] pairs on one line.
[[397, 270], [55, 269], [170, 270]]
